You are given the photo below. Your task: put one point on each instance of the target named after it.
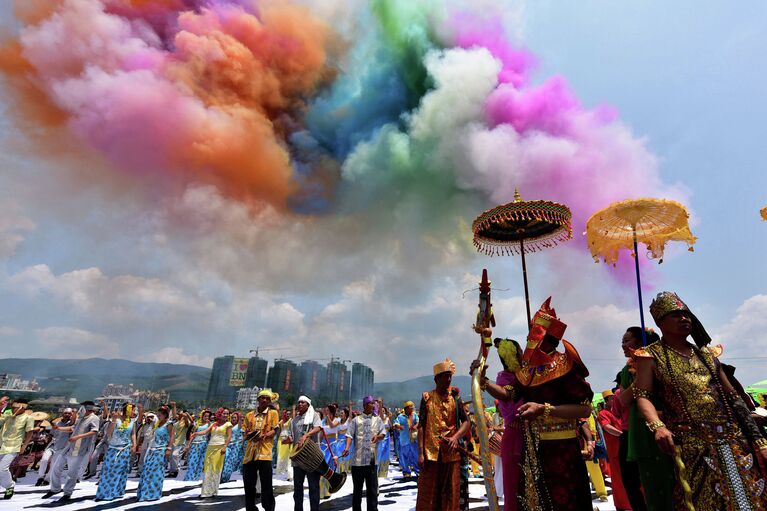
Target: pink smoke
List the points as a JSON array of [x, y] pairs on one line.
[[553, 147]]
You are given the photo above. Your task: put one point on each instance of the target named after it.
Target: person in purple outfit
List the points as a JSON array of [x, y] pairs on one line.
[[508, 402]]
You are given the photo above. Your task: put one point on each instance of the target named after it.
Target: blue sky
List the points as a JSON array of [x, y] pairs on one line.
[[90, 270]]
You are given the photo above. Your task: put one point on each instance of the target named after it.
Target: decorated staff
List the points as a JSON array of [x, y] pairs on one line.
[[485, 320]]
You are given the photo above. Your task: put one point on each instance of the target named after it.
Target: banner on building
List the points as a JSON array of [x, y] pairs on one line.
[[239, 372]]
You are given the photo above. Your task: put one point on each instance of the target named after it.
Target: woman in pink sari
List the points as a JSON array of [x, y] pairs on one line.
[[511, 446]]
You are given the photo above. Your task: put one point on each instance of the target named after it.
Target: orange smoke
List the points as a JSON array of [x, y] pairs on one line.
[[214, 101]]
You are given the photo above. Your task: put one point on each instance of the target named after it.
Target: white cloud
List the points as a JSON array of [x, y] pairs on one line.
[[122, 298], [8, 331], [745, 340], [13, 225], [747, 331], [199, 311], [68, 342], [174, 355]]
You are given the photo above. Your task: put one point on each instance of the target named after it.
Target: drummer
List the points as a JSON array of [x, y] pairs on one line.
[[305, 426]]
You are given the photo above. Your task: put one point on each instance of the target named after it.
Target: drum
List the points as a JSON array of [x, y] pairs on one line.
[[309, 457], [494, 442]]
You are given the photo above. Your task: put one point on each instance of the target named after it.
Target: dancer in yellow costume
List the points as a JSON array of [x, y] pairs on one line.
[[220, 435]]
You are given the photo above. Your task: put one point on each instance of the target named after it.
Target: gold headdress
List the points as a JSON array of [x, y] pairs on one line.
[[667, 302], [446, 365]]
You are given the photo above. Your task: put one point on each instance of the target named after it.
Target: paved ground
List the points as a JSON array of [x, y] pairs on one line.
[[395, 495]]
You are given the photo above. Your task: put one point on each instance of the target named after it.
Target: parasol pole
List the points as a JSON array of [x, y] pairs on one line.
[[524, 274], [639, 285]]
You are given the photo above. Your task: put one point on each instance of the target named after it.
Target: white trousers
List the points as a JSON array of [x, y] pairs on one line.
[[101, 450], [49, 459], [175, 457], [6, 481], [75, 467], [498, 476]]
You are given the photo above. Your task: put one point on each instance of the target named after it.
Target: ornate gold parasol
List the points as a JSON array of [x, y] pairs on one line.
[[763, 212], [522, 226], [622, 224], [514, 228]]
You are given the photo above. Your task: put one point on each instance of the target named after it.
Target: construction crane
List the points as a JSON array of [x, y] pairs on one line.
[[331, 358], [260, 349]]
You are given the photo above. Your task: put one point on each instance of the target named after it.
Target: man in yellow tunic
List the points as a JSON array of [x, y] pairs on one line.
[[439, 484], [259, 429]]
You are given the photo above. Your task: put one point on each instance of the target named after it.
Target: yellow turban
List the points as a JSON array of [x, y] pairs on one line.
[[408, 403], [444, 366], [266, 393], [607, 393]]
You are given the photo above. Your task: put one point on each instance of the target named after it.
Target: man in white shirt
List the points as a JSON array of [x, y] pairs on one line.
[[60, 431], [365, 431], [75, 455]]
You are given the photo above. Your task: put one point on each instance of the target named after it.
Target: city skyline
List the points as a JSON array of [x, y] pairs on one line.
[[334, 382]]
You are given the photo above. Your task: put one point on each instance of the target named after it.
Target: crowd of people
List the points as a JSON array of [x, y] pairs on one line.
[[676, 432]]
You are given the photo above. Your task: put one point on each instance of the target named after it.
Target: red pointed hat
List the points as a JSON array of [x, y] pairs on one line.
[[544, 322]]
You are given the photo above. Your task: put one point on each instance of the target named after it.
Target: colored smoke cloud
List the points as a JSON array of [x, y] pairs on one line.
[[400, 120], [206, 90]]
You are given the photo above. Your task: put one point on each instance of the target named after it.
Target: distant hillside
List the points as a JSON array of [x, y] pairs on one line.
[[86, 378], [396, 393]]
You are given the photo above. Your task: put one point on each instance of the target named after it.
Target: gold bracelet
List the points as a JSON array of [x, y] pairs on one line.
[[510, 389], [655, 425], [640, 392], [483, 384], [761, 443], [547, 409]]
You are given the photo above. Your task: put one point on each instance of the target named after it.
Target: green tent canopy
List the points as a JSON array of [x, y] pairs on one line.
[[756, 390]]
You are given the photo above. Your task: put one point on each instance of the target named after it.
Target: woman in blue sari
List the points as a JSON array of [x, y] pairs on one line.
[[197, 446], [329, 445], [117, 460], [157, 456], [344, 462], [234, 451], [384, 446]]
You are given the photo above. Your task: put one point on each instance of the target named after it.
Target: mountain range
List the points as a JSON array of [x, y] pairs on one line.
[[86, 378]]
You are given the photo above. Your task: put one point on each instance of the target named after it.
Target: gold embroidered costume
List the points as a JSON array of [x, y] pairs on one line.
[[720, 464], [553, 474]]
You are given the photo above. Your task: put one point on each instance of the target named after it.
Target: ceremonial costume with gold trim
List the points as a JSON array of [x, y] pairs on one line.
[[439, 483], [720, 464], [553, 473]]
